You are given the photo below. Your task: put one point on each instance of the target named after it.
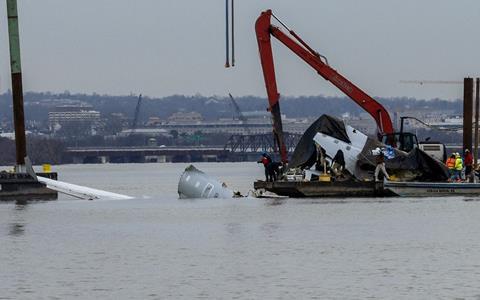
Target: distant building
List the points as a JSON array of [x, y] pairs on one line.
[[73, 120], [193, 122], [451, 122], [4, 126], [11, 135], [439, 119], [153, 122], [185, 117], [147, 132], [234, 127]]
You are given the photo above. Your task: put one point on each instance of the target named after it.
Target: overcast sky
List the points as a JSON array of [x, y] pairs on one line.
[[164, 47]]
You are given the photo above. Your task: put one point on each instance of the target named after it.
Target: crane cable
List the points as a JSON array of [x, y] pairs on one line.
[[300, 40], [233, 33], [229, 35], [227, 38]]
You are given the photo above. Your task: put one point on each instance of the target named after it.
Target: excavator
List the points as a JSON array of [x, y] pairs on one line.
[[404, 141]]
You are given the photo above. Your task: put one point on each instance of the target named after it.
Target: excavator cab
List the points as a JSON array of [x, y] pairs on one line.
[[405, 141]]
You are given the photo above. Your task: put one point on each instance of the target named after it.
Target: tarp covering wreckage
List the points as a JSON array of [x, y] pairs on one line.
[[332, 135]]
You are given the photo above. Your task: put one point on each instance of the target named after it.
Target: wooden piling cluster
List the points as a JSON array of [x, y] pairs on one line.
[[470, 125]]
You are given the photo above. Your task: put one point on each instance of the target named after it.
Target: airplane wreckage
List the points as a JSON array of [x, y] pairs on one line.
[[414, 173], [309, 173], [410, 170]]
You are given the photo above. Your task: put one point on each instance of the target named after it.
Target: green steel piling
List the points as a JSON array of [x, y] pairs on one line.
[[17, 89]]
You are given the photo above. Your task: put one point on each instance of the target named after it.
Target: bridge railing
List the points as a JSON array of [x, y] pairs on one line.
[[259, 143]]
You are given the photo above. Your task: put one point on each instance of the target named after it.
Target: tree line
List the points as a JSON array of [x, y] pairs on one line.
[[37, 105], [40, 151]]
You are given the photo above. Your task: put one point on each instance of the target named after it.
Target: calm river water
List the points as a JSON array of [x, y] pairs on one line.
[[159, 247]]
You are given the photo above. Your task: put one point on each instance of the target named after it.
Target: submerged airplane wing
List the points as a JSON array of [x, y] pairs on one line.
[[73, 190], [80, 192]]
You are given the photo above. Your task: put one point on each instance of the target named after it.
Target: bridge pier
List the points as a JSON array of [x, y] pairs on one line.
[[117, 159], [155, 158], [184, 158], [196, 158], [210, 158], [77, 160], [90, 160], [135, 159]]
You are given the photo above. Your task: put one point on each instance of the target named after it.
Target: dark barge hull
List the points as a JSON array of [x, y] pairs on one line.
[[22, 187], [433, 189], [302, 189]]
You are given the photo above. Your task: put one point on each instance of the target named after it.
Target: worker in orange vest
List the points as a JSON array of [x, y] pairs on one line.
[[451, 167]]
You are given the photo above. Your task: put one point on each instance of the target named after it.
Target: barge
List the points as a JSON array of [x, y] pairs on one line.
[[358, 189], [22, 187], [311, 189]]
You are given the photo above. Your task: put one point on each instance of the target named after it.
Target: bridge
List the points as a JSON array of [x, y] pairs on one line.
[[145, 154], [238, 148]]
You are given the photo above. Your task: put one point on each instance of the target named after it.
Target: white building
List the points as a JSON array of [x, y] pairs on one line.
[[74, 118]]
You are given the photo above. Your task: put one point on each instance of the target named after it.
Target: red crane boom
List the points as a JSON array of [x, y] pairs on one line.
[[264, 30]]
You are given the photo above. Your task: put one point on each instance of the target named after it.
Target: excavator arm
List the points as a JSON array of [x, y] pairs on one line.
[[265, 30]]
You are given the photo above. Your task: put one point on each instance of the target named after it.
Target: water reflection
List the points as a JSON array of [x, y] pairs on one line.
[[270, 229], [17, 227], [471, 199], [233, 228], [21, 202], [276, 202]]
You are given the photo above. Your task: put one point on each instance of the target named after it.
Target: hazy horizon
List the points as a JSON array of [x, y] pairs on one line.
[[223, 97], [160, 48]]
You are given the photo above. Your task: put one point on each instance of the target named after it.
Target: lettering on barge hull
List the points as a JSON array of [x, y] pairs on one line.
[[433, 191]]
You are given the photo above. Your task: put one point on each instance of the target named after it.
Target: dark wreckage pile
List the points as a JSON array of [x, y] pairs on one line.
[[327, 135]]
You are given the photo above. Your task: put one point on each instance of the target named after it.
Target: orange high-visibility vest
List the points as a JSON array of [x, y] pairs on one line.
[[451, 163]]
